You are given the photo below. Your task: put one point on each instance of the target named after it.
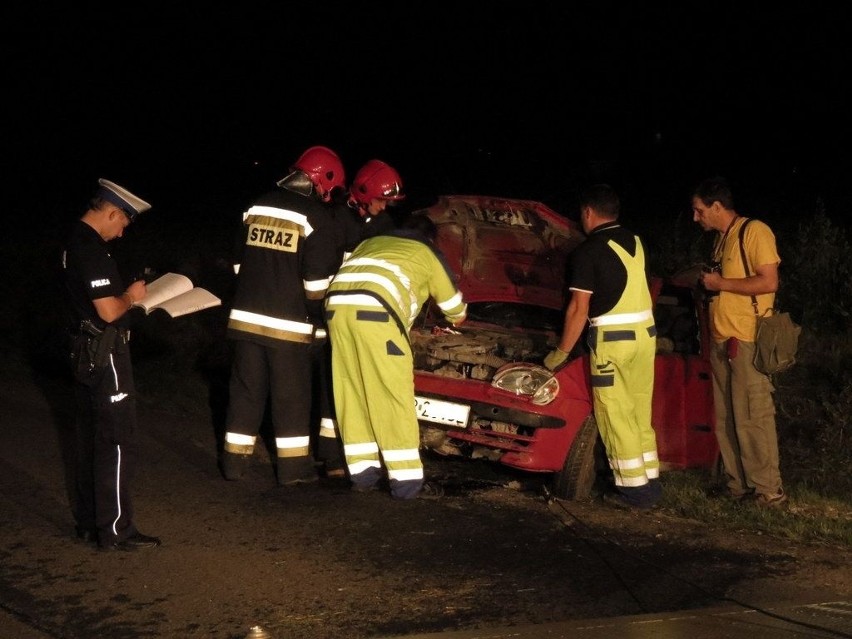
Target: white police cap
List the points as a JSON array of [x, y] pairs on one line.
[[122, 198]]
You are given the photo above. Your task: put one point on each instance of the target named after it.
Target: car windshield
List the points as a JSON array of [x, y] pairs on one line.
[[513, 316]]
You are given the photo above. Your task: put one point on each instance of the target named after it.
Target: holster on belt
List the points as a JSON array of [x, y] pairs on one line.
[[105, 345], [92, 347]]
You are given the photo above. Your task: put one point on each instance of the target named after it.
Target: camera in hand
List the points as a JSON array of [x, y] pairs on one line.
[[712, 267]]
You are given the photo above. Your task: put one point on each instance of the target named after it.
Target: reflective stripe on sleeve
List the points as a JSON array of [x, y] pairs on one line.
[[271, 322]]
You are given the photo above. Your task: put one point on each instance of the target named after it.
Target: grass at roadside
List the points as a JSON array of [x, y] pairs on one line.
[[806, 516], [813, 399]]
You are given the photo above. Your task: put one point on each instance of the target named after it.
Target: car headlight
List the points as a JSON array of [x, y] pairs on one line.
[[528, 380]]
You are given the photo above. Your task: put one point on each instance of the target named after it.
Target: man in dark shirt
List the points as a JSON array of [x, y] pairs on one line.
[[106, 424], [609, 290]]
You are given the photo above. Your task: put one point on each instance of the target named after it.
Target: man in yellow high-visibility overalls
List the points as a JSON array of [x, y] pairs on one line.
[[371, 304], [609, 290]]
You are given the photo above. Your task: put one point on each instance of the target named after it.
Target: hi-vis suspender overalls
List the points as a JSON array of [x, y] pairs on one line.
[[623, 343]]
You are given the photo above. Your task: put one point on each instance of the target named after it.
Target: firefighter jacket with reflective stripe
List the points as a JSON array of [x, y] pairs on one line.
[[400, 270], [288, 258]]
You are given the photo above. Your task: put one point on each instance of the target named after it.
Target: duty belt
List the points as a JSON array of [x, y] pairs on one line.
[[88, 327]]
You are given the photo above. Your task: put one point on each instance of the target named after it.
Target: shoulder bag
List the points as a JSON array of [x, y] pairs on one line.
[[777, 339]]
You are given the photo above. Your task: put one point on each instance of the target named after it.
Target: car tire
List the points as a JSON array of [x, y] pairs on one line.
[[578, 476]]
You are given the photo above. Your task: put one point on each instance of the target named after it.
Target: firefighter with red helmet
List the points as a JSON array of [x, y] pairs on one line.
[[289, 254], [329, 186], [318, 171], [376, 186]]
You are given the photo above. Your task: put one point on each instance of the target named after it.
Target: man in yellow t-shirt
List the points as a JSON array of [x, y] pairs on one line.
[[742, 395]]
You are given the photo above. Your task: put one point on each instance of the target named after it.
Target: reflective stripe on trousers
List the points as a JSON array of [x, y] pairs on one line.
[[622, 373], [373, 380]]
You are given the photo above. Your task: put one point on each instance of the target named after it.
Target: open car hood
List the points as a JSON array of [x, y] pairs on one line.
[[505, 250]]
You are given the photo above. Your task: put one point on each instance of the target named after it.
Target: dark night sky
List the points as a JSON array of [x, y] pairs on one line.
[[197, 108]]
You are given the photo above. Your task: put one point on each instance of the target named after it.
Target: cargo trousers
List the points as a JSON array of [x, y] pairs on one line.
[[745, 420]]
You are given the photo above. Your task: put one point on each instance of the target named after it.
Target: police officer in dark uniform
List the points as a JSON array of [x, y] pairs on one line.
[[289, 254], [106, 423]]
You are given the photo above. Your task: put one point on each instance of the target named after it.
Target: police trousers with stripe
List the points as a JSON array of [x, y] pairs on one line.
[[106, 432]]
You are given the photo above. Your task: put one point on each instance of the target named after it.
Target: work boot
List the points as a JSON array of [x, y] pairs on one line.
[[335, 472], [87, 534], [762, 500], [295, 470], [136, 541], [234, 466], [431, 490]]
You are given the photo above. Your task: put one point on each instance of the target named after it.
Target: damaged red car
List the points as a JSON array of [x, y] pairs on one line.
[[481, 389]]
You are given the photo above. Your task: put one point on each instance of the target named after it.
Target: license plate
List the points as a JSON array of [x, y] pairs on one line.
[[441, 412]]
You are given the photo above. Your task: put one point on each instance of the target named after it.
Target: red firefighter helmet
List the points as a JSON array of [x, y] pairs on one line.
[[376, 180], [323, 168]]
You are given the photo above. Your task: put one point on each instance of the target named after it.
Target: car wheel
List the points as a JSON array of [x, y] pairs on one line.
[[577, 477]]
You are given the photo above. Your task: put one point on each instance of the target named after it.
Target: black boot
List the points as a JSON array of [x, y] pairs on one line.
[[295, 470], [234, 466]]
